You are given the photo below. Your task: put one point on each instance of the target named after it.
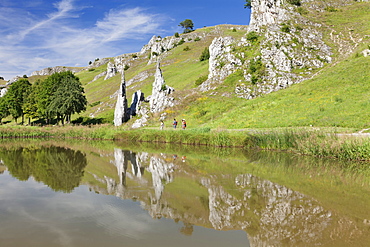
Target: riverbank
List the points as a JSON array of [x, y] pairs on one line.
[[307, 141]]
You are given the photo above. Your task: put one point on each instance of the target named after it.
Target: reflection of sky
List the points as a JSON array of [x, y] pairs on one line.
[[31, 214]]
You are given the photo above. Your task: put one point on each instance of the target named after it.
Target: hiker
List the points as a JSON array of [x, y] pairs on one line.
[[183, 124], [162, 125], [174, 123]]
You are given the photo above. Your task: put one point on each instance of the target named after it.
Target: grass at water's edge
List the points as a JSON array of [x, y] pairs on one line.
[[307, 141]]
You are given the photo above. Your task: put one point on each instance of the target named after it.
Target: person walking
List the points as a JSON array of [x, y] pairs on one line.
[[174, 123], [183, 124], [162, 125]]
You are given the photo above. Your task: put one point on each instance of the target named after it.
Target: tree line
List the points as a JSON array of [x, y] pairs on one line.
[[54, 98]]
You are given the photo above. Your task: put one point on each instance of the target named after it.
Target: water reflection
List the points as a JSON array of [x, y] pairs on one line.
[[58, 167], [276, 199]]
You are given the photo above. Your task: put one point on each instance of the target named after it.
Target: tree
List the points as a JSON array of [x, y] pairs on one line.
[[4, 111], [68, 99], [60, 95], [17, 95], [188, 25], [248, 4]]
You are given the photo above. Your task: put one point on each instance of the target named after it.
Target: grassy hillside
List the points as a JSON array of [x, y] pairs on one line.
[[337, 95]]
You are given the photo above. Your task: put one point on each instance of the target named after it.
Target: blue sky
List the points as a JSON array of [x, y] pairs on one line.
[[46, 33]]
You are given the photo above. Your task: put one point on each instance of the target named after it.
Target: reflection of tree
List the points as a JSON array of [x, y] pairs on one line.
[[59, 168], [187, 229]]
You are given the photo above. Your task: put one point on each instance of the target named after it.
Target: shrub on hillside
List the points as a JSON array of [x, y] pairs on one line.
[[285, 28], [252, 36], [295, 2], [205, 55], [201, 79]]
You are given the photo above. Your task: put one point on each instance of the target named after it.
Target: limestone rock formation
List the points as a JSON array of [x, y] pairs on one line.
[[288, 42], [222, 62], [111, 71], [3, 91], [137, 98], [160, 98], [120, 112], [57, 69], [266, 12]]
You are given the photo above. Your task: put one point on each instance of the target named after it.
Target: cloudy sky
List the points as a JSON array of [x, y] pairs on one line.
[[44, 33]]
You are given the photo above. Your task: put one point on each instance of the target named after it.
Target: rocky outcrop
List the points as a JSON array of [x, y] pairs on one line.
[[284, 44], [266, 12], [111, 71], [3, 91], [120, 112], [57, 69], [160, 98], [14, 79], [137, 98], [366, 53], [222, 61], [99, 76]]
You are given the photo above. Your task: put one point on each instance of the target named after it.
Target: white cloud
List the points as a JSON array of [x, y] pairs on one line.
[[33, 42]]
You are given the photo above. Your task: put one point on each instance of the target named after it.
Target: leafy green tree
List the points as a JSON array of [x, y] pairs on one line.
[[68, 99], [60, 95], [17, 95], [188, 25], [30, 105], [4, 111]]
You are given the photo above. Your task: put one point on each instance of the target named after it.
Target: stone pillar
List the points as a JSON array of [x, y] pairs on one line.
[[120, 112]]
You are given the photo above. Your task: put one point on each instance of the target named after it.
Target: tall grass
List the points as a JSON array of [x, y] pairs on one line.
[[312, 142], [307, 141]]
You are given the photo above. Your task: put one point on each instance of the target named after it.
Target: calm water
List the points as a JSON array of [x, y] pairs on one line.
[[109, 194]]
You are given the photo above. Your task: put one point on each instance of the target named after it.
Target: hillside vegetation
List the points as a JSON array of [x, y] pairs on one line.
[[335, 95]]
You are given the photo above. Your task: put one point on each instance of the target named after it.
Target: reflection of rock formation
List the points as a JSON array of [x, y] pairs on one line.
[[271, 214], [161, 173], [274, 212]]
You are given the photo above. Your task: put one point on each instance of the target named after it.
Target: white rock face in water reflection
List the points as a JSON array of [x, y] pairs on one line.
[[268, 212]]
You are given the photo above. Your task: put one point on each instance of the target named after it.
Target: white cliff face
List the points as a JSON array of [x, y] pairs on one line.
[[283, 51], [120, 111], [266, 12], [222, 62], [160, 98]]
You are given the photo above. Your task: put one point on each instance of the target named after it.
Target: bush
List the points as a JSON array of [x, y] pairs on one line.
[[331, 9], [187, 48], [252, 36], [205, 55], [201, 79], [302, 11], [126, 67], [177, 35], [295, 2], [285, 28], [197, 39], [182, 41]]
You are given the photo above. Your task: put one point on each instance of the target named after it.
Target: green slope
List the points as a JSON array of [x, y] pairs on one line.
[[338, 95]]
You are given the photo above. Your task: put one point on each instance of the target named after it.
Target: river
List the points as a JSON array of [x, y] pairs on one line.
[[76, 193]]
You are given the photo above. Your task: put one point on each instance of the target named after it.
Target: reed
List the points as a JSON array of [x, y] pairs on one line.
[[307, 141]]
